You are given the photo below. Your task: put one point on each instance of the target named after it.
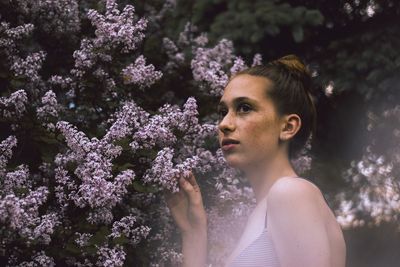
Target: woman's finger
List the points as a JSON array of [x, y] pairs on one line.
[[193, 182], [191, 189]]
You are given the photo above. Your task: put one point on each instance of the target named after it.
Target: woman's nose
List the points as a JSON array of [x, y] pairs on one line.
[[226, 124]]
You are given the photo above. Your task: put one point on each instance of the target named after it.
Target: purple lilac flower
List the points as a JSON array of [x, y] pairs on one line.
[[185, 36], [111, 257], [302, 161], [14, 34], [10, 36], [14, 105], [97, 190], [85, 58], [6, 147], [176, 57], [140, 74], [238, 65], [30, 66], [115, 31], [21, 214], [201, 40], [76, 140], [63, 82], [117, 28], [48, 110], [257, 60], [165, 173], [156, 16], [208, 66], [159, 130], [16, 179], [39, 259], [50, 105], [100, 216], [45, 228], [57, 17], [156, 132], [83, 239], [127, 227], [130, 117], [190, 114]]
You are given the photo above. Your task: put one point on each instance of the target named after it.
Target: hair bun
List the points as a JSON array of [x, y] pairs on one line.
[[293, 62]]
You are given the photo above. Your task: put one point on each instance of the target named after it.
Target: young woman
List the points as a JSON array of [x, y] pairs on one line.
[[267, 115]]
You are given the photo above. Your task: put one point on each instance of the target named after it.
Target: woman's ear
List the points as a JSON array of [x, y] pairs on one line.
[[290, 126]]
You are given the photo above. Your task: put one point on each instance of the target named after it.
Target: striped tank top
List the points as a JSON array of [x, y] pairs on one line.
[[260, 253]]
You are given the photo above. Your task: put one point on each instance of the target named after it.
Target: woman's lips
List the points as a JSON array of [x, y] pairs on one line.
[[228, 147]]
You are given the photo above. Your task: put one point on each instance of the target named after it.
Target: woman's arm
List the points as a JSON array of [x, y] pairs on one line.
[[194, 249], [187, 209], [296, 222]]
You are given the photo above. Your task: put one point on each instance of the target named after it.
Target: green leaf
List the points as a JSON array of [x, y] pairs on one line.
[[140, 187]]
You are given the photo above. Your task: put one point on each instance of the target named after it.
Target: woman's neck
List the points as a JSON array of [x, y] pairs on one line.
[[264, 176]]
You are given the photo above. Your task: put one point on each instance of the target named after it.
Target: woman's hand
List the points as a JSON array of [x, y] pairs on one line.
[[187, 208]]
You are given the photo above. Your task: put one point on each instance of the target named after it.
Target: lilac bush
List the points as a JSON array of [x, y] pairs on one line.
[[373, 177], [86, 152]]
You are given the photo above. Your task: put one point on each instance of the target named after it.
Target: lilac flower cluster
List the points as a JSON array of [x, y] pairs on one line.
[[9, 37], [83, 239], [131, 117], [155, 16], [257, 60], [38, 259], [176, 57], [30, 66], [6, 147], [302, 161], [127, 227], [94, 171], [161, 128], [63, 82], [140, 74], [16, 179], [111, 257], [54, 17], [185, 37], [21, 215], [373, 177], [211, 67], [116, 32], [208, 66], [165, 173], [14, 105], [117, 28], [49, 110], [238, 65], [58, 17]]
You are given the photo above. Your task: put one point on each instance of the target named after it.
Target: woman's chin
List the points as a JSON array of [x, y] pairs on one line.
[[233, 161]]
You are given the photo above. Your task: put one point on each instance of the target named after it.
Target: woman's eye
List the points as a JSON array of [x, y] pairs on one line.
[[222, 113], [244, 108]]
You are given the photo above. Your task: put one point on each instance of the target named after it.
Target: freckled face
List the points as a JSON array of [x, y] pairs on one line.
[[248, 117]]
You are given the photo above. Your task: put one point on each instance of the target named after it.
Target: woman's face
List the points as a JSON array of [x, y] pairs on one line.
[[249, 127]]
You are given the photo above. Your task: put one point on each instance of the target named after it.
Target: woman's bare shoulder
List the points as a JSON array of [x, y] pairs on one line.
[[291, 185], [301, 192]]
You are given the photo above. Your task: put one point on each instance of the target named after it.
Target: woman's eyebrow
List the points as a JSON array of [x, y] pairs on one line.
[[235, 101]]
